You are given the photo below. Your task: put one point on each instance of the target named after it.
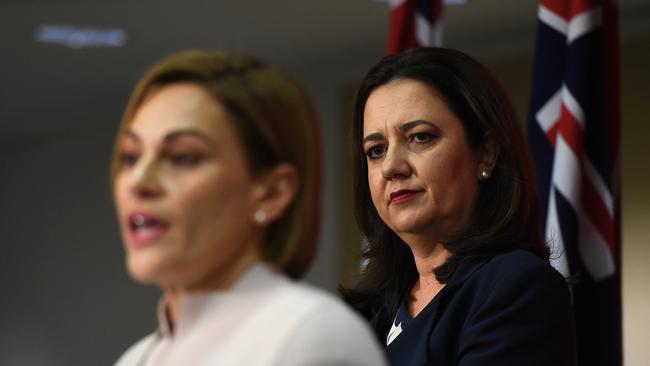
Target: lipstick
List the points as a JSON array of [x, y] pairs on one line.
[[402, 195]]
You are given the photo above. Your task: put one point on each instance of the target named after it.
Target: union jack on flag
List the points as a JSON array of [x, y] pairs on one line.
[[573, 131], [414, 24]]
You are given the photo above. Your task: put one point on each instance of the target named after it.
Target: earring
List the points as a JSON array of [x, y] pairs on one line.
[[485, 174], [260, 216]]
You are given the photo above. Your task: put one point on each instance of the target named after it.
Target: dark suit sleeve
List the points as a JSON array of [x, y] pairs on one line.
[[523, 318]]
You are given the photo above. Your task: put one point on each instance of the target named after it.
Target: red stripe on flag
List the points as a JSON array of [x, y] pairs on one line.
[[597, 212], [580, 6], [569, 9], [559, 7], [571, 131], [401, 30], [551, 134]]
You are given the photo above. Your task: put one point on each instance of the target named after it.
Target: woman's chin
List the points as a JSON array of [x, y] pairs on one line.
[[143, 270], [426, 234], [409, 226]]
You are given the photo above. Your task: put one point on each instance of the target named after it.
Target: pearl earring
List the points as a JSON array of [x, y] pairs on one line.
[[484, 174], [260, 217]]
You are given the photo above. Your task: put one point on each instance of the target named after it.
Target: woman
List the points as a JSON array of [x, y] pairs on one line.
[[216, 179], [457, 268]]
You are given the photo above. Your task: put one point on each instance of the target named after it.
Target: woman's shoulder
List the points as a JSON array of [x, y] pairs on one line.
[[517, 308], [518, 257], [299, 298], [320, 328], [513, 274], [303, 300], [519, 264]]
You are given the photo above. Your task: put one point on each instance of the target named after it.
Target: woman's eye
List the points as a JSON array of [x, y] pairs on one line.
[[376, 151], [421, 137], [184, 159], [128, 159]]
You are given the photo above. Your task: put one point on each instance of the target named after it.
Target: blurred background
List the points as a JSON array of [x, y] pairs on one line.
[[67, 299]]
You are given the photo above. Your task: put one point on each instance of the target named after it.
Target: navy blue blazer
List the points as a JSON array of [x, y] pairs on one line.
[[510, 309]]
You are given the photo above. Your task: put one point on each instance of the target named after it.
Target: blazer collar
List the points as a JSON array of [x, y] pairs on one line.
[[465, 270]]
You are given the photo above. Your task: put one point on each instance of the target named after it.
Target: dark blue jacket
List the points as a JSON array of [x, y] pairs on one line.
[[511, 309]]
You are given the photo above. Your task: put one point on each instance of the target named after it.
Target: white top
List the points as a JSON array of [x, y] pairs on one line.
[[265, 319]]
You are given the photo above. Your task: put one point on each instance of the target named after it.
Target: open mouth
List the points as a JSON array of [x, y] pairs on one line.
[[145, 228]]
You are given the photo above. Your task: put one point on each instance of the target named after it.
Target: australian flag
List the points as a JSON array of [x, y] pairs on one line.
[[573, 131]]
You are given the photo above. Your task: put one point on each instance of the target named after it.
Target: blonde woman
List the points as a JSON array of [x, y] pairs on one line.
[[216, 179]]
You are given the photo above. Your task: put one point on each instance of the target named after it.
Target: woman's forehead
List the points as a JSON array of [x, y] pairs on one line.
[[402, 101], [179, 106]]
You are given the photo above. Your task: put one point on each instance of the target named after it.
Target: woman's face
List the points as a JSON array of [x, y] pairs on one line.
[[423, 176], [185, 198]]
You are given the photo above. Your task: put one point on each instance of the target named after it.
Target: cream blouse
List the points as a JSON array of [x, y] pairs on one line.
[[265, 319]]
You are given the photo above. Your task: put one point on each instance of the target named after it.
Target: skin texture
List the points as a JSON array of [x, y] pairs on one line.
[[414, 142], [182, 162]]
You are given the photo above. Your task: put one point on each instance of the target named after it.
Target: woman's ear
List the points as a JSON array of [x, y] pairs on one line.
[[488, 156], [277, 190]]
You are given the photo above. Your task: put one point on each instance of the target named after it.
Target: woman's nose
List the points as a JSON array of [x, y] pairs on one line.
[[144, 178], [395, 164]]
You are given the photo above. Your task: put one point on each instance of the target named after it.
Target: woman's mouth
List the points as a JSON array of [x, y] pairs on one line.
[[402, 195], [145, 228]]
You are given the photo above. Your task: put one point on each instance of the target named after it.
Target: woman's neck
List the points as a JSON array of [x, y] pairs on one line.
[[427, 257], [224, 280]]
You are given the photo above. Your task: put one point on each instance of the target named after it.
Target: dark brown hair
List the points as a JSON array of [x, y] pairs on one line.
[[506, 213], [276, 122]]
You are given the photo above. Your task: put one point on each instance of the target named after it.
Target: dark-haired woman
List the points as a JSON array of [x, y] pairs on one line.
[[458, 270]]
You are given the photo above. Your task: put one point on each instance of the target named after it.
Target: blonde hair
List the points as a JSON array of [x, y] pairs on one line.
[[276, 122]]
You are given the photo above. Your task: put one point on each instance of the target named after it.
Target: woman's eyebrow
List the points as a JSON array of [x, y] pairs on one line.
[[170, 137], [372, 137], [412, 124], [131, 135]]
